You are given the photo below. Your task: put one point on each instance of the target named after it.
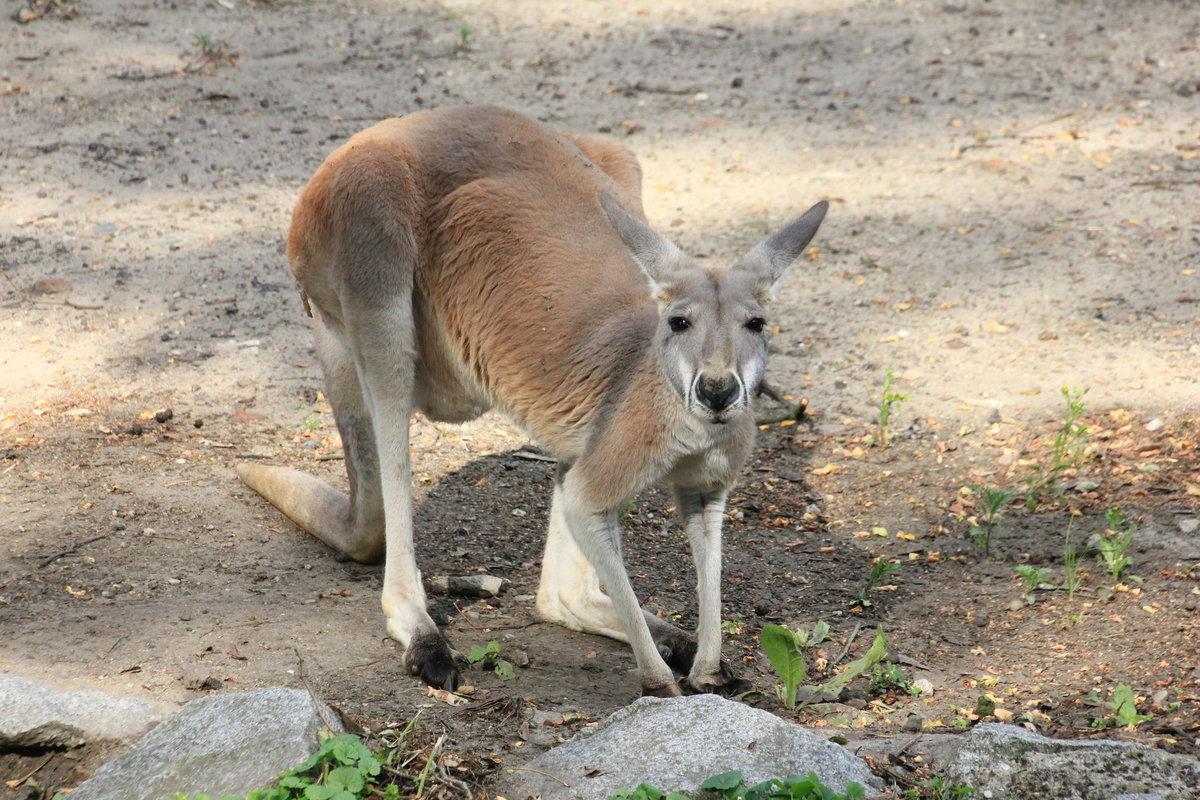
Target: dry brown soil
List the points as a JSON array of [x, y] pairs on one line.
[[1015, 209]]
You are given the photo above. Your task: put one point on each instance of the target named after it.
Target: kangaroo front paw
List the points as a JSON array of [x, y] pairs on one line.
[[428, 657], [722, 682]]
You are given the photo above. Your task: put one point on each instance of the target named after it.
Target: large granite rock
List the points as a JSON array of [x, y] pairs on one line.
[[36, 716], [224, 744], [1008, 762], [675, 744]]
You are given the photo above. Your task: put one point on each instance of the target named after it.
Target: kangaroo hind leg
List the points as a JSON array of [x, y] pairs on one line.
[[351, 524]]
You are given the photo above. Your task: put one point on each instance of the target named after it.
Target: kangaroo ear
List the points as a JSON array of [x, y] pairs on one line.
[[770, 259], [657, 255]]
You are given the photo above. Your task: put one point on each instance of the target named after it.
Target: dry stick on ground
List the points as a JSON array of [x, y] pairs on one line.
[[794, 412], [318, 703], [48, 560], [846, 649], [14, 784]]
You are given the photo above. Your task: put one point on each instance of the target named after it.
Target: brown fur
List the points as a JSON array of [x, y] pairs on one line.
[[468, 258]]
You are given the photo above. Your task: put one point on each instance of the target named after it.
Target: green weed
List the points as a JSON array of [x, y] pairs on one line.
[[731, 786], [734, 626], [488, 656], [992, 501], [209, 54], [779, 644], [880, 570], [782, 647], [887, 677], [1034, 577], [343, 768], [1067, 450], [1114, 543], [1124, 708], [889, 401]]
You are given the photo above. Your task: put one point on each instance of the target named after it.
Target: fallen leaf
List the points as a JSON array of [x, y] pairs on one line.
[[996, 326], [826, 470], [449, 698]]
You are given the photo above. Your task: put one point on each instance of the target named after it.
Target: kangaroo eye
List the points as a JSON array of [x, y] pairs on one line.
[[678, 324], [756, 324]]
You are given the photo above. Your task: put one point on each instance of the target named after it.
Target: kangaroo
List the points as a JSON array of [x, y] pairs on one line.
[[467, 258]]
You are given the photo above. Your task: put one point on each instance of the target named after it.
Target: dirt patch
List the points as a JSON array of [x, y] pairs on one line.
[[1015, 210]]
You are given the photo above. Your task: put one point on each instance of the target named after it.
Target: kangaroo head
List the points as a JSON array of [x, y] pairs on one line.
[[711, 338]]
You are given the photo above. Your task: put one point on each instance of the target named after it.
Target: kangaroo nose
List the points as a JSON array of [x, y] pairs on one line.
[[716, 393]]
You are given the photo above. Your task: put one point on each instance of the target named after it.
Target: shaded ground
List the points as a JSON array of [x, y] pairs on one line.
[[1015, 210]]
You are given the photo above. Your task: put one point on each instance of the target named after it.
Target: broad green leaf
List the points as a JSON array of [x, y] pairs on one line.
[[347, 778], [733, 778], [857, 667], [504, 670], [645, 791], [779, 644], [1124, 704]]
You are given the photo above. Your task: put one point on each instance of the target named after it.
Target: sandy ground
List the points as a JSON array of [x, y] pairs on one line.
[[1015, 207]]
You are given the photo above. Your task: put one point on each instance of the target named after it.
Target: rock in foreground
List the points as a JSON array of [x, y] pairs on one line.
[[677, 743]]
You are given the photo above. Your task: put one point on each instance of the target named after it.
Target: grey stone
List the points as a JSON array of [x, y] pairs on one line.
[[1189, 525], [676, 744], [226, 744], [1008, 762], [33, 715]]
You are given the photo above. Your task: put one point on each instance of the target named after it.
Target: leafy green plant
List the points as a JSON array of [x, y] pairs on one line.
[[209, 54], [310, 424], [818, 634], [1034, 577], [1067, 450], [889, 401], [341, 769], [464, 35], [1114, 543], [877, 652], [886, 677], [782, 648], [1124, 708], [881, 568], [488, 656], [779, 644], [735, 625], [992, 501], [731, 786]]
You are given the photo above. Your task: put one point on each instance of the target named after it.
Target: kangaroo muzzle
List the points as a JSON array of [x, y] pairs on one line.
[[717, 393]]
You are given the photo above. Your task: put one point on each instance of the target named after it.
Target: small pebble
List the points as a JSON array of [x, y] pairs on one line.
[[1155, 424]]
